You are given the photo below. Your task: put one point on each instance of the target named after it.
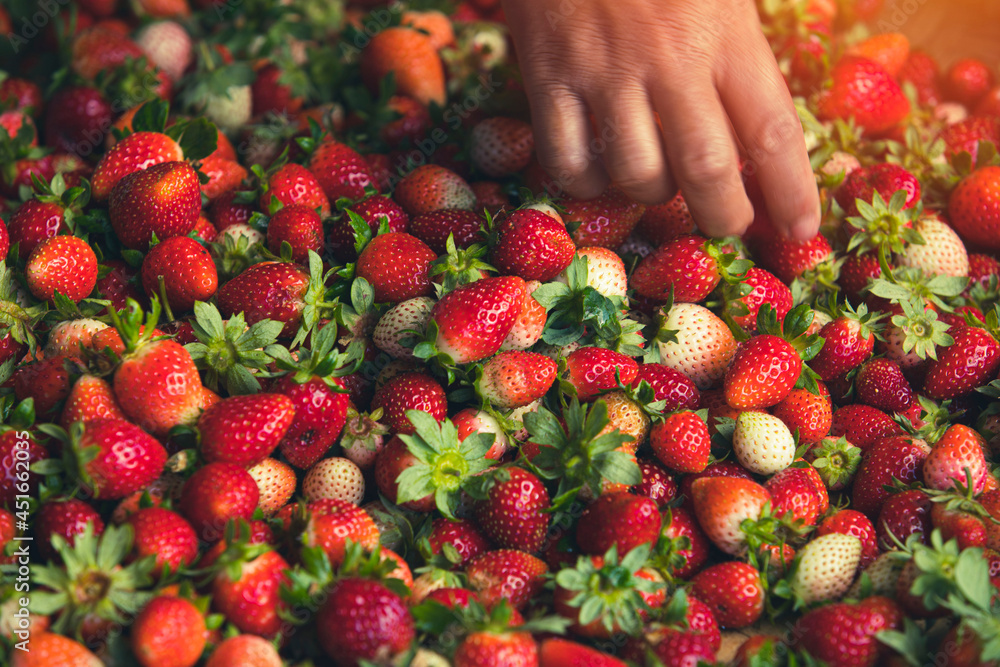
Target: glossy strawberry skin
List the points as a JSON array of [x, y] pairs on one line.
[[245, 429], [842, 635], [373, 210], [64, 264], [252, 601], [884, 178], [844, 348], [188, 272], [300, 227], [506, 573], [216, 494], [762, 373], [165, 535], [681, 442], [974, 209], [320, 413], [592, 370], [789, 259], [896, 456], [512, 515], [853, 522], [961, 367], [864, 91], [462, 535], [881, 384], [66, 518], [340, 171], [293, 184], [397, 265], [620, 519], [903, 514], [135, 152], [474, 319], [409, 391], [34, 221], [267, 291], [863, 425], [434, 228], [46, 382], [732, 590], [158, 387], [681, 265], [169, 630], [164, 200], [532, 245], [432, 187], [127, 460], [604, 221], [361, 619], [669, 385]]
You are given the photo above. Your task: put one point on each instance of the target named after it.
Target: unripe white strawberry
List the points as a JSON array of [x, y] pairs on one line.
[[407, 319], [950, 112], [762, 442], [427, 658], [825, 567], [239, 230], [883, 573], [68, 336], [276, 482], [605, 271], [820, 320], [839, 162], [363, 437], [702, 347], [229, 110], [942, 254], [168, 46], [335, 478], [518, 416], [530, 323]]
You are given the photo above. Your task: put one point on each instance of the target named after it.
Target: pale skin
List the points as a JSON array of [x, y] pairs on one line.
[[704, 68]]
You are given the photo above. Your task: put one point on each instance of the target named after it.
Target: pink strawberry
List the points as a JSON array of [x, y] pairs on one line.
[[515, 379], [532, 245], [473, 320]]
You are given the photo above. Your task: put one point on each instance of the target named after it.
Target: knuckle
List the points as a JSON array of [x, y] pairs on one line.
[[707, 166]]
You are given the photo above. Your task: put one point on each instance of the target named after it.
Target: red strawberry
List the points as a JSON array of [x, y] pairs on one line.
[[300, 227], [473, 320], [46, 382], [558, 652], [789, 259], [267, 291], [863, 425], [532, 245], [884, 179], [855, 274], [67, 518], [683, 547], [215, 494], [34, 221], [620, 519], [530, 323], [158, 386], [733, 592], [808, 413], [657, 483], [967, 81], [960, 368], [251, 599], [397, 266], [506, 574], [64, 264], [390, 463], [373, 210], [320, 409], [244, 650], [591, 370], [223, 175], [722, 504], [864, 91], [125, 458], [965, 135], [361, 619], [15, 453], [852, 522], [688, 265], [165, 535], [409, 391], [923, 72], [512, 515], [332, 523], [434, 228], [762, 373], [169, 631], [880, 384], [489, 648], [800, 491], [244, 429], [187, 271], [501, 146], [842, 635], [433, 188], [48, 648], [848, 341], [463, 536], [78, 117], [901, 457], [664, 222], [271, 95], [294, 184], [515, 379], [764, 287], [605, 221], [682, 442], [340, 171], [135, 152], [669, 385], [119, 284], [411, 57], [958, 452], [974, 209], [164, 200]]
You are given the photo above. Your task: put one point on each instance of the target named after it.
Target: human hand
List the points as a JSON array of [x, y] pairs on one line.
[[704, 67]]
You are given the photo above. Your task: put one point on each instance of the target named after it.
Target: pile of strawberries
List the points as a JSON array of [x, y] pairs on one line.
[[305, 361]]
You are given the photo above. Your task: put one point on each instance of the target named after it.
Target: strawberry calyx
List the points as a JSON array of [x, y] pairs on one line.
[[730, 264], [922, 331], [447, 623], [74, 457], [129, 323], [15, 319], [607, 589], [962, 498], [884, 224], [358, 317], [579, 313], [322, 360], [458, 266], [933, 422], [445, 463], [906, 283], [230, 352], [320, 302], [579, 455], [644, 396], [668, 552], [836, 461], [71, 200], [239, 549], [93, 581], [234, 253]]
